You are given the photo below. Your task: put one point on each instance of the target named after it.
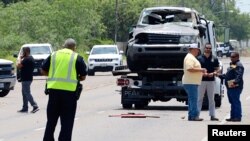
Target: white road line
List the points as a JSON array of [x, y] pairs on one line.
[[38, 129], [248, 98]]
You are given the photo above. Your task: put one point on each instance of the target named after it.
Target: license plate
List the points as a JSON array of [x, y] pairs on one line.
[[103, 65], [35, 70], [1, 85]]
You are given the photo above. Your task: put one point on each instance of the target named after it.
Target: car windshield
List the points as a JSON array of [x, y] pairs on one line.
[[40, 50], [165, 16], [104, 50]]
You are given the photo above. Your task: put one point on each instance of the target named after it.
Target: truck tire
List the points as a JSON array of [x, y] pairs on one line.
[[217, 99], [127, 106], [139, 106], [3, 93], [91, 72]]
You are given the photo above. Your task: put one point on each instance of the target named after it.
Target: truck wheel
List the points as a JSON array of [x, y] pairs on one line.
[[91, 72], [217, 100], [3, 93], [139, 106], [127, 106], [219, 54]]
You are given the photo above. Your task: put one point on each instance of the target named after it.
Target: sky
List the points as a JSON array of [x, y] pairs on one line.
[[243, 5]]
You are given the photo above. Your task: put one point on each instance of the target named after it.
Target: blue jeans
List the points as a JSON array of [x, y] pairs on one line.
[[192, 92], [27, 97], [234, 99]]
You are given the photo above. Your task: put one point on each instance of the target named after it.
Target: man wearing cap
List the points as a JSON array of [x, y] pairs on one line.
[[191, 80], [64, 68]]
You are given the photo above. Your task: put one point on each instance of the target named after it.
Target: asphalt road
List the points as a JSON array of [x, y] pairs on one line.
[[99, 100]]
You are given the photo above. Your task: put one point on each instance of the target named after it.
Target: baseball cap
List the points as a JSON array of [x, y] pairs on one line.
[[69, 42], [194, 46]]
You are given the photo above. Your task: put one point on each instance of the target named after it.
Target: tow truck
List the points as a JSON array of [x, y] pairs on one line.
[[141, 86]]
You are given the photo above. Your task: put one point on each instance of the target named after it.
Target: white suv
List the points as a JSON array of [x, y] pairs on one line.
[[103, 58]]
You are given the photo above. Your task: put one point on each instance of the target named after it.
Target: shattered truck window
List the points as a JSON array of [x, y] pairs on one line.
[[165, 16]]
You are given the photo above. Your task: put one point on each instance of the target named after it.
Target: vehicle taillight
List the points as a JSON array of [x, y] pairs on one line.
[[122, 82]]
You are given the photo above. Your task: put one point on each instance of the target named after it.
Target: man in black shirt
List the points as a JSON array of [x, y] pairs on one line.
[[26, 65], [211, 63]]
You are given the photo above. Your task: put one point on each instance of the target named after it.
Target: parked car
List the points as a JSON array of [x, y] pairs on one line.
[[7, 77], [103, 58], [224, 49], [39, 51]]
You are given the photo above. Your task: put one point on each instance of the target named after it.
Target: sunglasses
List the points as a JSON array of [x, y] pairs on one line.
[[232, 56]]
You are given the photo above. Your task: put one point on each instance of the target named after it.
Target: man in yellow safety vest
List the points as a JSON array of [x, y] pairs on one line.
[[64, 68]]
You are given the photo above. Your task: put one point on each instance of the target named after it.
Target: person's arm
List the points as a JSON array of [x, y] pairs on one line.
[[203, 70], [239, 70], [45, 67], [81, 68]]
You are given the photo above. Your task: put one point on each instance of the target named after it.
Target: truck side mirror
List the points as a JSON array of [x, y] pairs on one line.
[[202, 29]]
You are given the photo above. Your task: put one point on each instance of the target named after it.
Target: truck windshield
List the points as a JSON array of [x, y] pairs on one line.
[[40, 50], [165, 16]]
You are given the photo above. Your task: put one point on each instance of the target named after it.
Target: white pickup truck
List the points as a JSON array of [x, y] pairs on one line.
[[7, 77]]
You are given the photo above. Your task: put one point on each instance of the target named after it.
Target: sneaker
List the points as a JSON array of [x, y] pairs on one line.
[[229, 119], [214, 118], [35, 109], [196, 119], [22, 111]]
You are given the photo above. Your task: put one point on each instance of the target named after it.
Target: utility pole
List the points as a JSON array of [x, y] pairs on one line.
[[116, 19], [227, 28]]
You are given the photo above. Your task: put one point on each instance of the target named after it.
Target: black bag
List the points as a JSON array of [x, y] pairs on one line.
[[78, 90]]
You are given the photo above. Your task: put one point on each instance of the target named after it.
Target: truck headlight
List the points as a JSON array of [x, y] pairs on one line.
[[188, 39]]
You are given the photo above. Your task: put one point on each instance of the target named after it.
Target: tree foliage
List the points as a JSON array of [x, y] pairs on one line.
[[93, 22]]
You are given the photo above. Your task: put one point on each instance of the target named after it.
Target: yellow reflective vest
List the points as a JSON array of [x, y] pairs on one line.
[[62, 71]]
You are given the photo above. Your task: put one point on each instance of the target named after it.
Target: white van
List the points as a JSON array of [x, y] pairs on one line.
[[39, 51]]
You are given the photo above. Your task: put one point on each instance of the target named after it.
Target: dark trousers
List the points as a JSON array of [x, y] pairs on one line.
[[27, 96], [234, 100], [61, 105]]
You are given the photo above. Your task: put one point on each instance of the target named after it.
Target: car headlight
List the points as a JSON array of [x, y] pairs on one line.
[[90, 60], [188, 39]]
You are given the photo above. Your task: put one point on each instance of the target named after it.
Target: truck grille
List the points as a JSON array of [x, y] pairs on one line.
[[38, 63], [103, 60], [6, 69], [151, 38]]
